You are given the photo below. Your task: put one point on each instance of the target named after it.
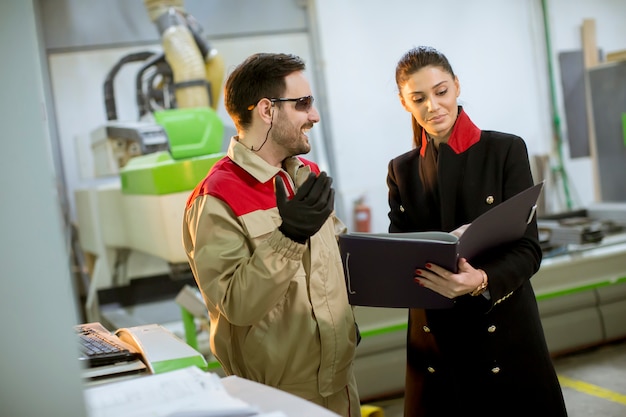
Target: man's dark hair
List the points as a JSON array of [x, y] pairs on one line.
[[260, 76]]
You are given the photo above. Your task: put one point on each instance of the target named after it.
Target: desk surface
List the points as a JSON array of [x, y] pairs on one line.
[[269, 399], [190, 391]]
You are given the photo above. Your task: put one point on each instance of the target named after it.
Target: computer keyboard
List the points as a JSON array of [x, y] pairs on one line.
[[99, 347]]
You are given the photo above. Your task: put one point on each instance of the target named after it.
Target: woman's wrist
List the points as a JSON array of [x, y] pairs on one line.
[[483, 285]]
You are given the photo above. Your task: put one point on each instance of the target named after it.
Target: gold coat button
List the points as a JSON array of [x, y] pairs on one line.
[[489, 199], [402, 209], [495, 370], [426, 329], [431, 369], [491, 329]]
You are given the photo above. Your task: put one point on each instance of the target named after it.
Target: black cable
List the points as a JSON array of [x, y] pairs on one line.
[[109, 94], [266, 136], [142, 102]]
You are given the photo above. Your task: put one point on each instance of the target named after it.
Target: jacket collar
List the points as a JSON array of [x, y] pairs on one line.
[[464, 134], [257, 166]]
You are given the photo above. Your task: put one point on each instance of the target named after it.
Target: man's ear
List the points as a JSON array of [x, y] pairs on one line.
[[265, 109]]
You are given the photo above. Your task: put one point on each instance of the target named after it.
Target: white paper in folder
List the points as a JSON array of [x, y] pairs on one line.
[[184, 392]]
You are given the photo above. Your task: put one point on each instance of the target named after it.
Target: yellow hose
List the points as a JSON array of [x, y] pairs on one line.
[[183, 55], [156, 8], [215, 70]]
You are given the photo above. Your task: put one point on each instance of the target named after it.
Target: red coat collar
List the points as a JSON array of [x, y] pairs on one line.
[[464, 134]]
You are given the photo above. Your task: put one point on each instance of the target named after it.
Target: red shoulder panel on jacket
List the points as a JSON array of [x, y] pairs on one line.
[[237, 188]]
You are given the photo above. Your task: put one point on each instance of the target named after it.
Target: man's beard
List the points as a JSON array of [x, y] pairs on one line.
[[290, 138]]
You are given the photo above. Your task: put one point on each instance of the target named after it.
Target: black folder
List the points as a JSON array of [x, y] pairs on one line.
[[380, 267]]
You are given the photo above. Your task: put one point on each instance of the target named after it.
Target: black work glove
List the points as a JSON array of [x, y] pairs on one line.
[[307, 211]]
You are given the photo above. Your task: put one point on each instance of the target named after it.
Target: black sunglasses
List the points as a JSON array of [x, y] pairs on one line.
[[302, 103]]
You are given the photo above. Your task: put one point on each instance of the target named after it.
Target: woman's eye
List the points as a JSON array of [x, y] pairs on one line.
[[418, 99], [442, 92]]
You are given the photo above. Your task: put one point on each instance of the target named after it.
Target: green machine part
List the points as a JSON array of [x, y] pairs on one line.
[[195, 139]]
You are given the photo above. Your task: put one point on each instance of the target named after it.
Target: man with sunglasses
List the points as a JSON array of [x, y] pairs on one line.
[[261, 237]]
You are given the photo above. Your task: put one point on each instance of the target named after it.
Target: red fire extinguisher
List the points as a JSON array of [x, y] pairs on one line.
[[362, 216]]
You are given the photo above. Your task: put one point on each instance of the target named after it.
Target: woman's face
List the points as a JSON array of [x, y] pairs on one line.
[[430, 96]]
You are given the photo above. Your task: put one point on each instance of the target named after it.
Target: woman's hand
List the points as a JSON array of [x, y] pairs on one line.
[[458, 232], [447, 283]]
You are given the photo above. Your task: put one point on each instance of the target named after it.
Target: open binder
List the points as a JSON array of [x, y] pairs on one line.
[[380, 267]]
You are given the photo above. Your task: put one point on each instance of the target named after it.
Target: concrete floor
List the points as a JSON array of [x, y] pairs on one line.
[[593, 383]]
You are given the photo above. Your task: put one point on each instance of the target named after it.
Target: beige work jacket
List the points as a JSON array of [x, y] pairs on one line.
[[278, 309]]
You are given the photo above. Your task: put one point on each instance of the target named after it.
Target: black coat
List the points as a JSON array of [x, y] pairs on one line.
[[482, 357]]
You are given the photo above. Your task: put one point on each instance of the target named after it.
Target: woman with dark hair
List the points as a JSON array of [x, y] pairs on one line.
[[486, 356]]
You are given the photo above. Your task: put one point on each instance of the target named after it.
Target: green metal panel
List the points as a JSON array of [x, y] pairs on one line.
[[192, 131], [158, 173]]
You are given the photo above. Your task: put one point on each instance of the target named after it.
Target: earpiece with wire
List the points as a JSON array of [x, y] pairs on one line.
[[267, 135]]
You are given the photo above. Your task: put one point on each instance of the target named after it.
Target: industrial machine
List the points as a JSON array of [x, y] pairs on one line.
[[154, 161]]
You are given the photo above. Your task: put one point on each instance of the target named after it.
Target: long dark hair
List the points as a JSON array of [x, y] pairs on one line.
[[411, 62]]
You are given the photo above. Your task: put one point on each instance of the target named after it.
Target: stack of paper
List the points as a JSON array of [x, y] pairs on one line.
[[184, 392]]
